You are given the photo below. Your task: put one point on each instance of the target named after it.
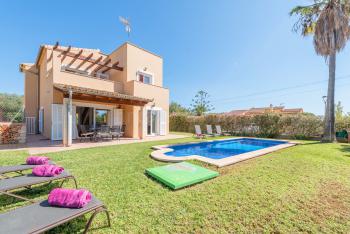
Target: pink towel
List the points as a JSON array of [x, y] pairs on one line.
[[37, 160], [47, 170], [71, 198]]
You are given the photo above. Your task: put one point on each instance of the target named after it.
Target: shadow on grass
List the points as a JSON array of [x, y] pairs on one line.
[[345, 148], [32, 193]]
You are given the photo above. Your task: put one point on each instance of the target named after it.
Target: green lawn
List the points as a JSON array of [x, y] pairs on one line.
[[305, 188]]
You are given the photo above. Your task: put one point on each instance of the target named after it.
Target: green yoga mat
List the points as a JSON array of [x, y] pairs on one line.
[[180, 175]]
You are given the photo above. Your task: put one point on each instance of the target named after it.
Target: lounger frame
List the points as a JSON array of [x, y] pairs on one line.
[[48, 180]]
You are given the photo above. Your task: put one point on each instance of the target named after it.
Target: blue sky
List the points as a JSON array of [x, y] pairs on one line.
[[243, 53]]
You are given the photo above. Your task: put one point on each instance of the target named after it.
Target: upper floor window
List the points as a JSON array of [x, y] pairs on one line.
[[144, 78]]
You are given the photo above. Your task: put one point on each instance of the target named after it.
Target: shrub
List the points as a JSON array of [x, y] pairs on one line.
[[303, 126]]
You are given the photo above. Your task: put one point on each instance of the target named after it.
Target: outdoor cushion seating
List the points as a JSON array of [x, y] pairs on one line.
[[26, 181], [40, 217], [220, 132], [16, 168], [210, 131], [198, 132]]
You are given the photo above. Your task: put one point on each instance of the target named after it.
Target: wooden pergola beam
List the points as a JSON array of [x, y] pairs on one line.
[[100, 99], [85, 60], [76, 57], [93, 63], [101, 66], [115, 65], [65, 53]]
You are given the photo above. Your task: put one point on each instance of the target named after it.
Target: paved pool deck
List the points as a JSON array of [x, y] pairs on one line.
[[36, 144]]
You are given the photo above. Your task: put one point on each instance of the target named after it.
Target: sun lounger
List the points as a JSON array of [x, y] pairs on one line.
[[40, 217], [210, 131], [16, 168], [220, 132], [198, 132], [26, 181]]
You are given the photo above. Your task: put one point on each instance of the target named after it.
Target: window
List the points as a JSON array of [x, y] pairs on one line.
[[101, 118], [145, 78]]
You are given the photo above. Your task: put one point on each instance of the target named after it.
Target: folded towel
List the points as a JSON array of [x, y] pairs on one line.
[[71, 198], [37, 160], [47, 170]]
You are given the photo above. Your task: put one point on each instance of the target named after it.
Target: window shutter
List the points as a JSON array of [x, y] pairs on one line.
[[162, 131]]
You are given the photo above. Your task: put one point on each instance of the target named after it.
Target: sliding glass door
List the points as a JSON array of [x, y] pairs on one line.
[[153, 122]]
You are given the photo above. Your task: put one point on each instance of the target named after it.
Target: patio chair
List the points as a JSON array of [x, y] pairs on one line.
[[40, 217], [26, 181], [123, 130], [220, 132], [210, 131], [16, 168], [116, 132], [198, 132], [84, 134]]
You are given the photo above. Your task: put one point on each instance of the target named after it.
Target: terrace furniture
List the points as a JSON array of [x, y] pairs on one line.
[[198, 132], [123, 130], [16, 168], [84, 134], [103, 133], [26, 181], [210, 131], [40, 217], [116, 132], [220, 132]]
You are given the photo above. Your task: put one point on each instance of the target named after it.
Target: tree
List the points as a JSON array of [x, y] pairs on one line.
[[339, 113], [201, 104], [328, 22], [176, 108], [11, 108]]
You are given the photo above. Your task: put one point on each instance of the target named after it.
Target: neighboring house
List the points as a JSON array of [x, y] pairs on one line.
[[70, 87], [265, 110]]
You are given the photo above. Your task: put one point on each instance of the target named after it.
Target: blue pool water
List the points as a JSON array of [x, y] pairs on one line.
[[222, 149]]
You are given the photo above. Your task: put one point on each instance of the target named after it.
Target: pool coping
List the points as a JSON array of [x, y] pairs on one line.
[[160, 150]]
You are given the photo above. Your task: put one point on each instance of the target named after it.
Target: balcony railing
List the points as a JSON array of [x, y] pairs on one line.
[[99, 75]]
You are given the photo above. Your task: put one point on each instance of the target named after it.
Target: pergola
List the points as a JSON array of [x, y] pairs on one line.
[[104, 66], [87, 94]]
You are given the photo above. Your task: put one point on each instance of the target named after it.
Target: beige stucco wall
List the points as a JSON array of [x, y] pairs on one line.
[[46, 90], [31, 89]]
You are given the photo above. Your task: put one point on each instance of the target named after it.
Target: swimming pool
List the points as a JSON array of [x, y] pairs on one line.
[[219, 152], [221, 149]]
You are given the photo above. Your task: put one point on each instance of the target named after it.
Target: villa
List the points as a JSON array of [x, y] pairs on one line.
[[68, 87], [281, 110]]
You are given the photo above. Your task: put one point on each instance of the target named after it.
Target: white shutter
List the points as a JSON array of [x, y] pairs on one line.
[[144, 122], [162, 120], [118, 117], [41, 122], [57, 122], [74, 122]]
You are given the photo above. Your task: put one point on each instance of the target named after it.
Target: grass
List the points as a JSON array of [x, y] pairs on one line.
[[300, 189]]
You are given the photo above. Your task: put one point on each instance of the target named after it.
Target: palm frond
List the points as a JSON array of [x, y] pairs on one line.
[[332, 29]]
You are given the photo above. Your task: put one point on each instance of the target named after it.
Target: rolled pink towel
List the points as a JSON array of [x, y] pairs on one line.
[[37, 160], [47, 170], [71, 198]]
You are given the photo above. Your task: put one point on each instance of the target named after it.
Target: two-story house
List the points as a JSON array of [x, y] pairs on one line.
[[69, 87]]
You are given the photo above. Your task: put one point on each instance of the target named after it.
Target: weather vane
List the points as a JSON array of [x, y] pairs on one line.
[[126, 23]]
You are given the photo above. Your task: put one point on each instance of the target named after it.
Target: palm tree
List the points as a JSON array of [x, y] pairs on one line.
[[328, 22]]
